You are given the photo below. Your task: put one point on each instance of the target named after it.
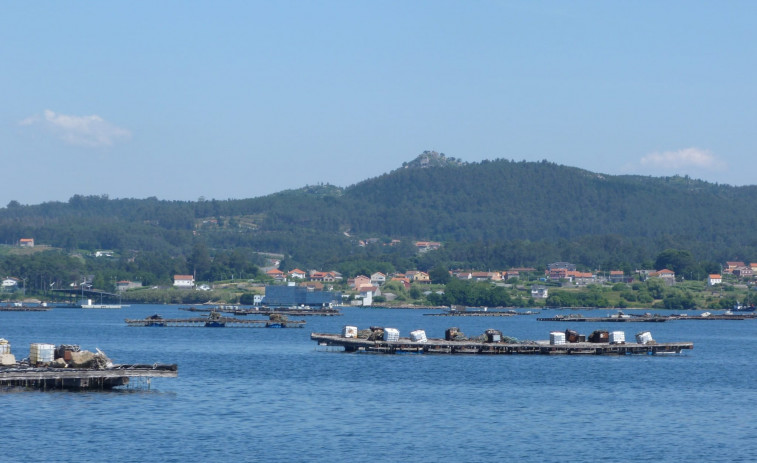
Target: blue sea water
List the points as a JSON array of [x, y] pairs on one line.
[[272, 395]]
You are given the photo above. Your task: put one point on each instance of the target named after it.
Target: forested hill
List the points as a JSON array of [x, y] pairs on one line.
[[468, 206]]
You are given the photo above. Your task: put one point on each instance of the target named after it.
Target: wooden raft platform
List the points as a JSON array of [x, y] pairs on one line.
[[713, 317], [441, 346], [10, 308], [81, 378], [470, 314], [614, 319], [293, 312], [219, 322]]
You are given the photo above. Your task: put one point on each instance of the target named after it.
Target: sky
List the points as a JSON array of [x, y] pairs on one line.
[[182, 100]]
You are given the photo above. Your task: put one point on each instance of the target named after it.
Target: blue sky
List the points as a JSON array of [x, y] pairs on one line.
[[182, 100]]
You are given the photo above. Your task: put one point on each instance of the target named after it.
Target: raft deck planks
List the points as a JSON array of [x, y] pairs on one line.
[[440, 346]]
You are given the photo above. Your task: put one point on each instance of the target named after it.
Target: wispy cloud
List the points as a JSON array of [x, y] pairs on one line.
[[682, 159], [92, 131]]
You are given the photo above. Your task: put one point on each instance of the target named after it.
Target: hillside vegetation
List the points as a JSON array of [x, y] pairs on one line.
[[490, 214]]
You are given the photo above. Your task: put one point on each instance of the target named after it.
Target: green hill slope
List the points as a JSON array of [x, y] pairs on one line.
[[496, 212]]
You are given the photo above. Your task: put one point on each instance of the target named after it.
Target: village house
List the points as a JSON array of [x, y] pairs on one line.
[[276, 274], [359, 282], [558, 273], [26, 242], [714, 279], [325, 277], [731, 266], [184, 281], [378, 279], [10, 283], [743, 272], [123, 285], [365, 296], [486, 276], [296, 273], [462, 275], [539, 292], [582, 278], [617, 276], [313, 285], [562, 265], [423, 246], [668, 276], [418, 276]]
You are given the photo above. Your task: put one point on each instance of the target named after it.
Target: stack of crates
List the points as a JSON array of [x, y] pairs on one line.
[[5, 346], [41, 353], [617, 337], [349, 332], [391, 334], [644, 337], [6, 358], [418, 336], [556, 338]]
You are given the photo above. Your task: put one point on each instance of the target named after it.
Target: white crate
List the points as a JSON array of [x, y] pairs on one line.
[[391, 334], [41, 353], [349, 332], [617, 337], [644, 337], [418, 336], [556, 338]]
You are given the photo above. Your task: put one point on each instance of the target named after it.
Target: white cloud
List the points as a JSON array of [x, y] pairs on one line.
[[91, 131], [681, 159]]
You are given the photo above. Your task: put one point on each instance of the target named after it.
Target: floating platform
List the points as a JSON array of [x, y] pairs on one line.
[[267, 311], [612, 318], [24, 308], [479, 313], [713, 317], [48, 378], [216, 321], [441, 346]]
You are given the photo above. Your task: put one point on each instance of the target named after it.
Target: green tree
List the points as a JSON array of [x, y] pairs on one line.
[[439, 275]]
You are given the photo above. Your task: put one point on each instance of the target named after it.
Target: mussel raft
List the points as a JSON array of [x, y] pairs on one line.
[[492, 342], [216, 320], [51, 367]]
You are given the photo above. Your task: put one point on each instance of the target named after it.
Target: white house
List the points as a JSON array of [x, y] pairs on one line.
[[10, 283], [378, 279], [183, 281], [539, 292], [714, 280], [297, 273], [366, 296]]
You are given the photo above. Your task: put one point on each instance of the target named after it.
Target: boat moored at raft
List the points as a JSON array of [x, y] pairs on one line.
[[492, 342]]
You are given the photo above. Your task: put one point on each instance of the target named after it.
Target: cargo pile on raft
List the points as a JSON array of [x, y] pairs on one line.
[[600, 342], [68, 367], [217, 320]]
